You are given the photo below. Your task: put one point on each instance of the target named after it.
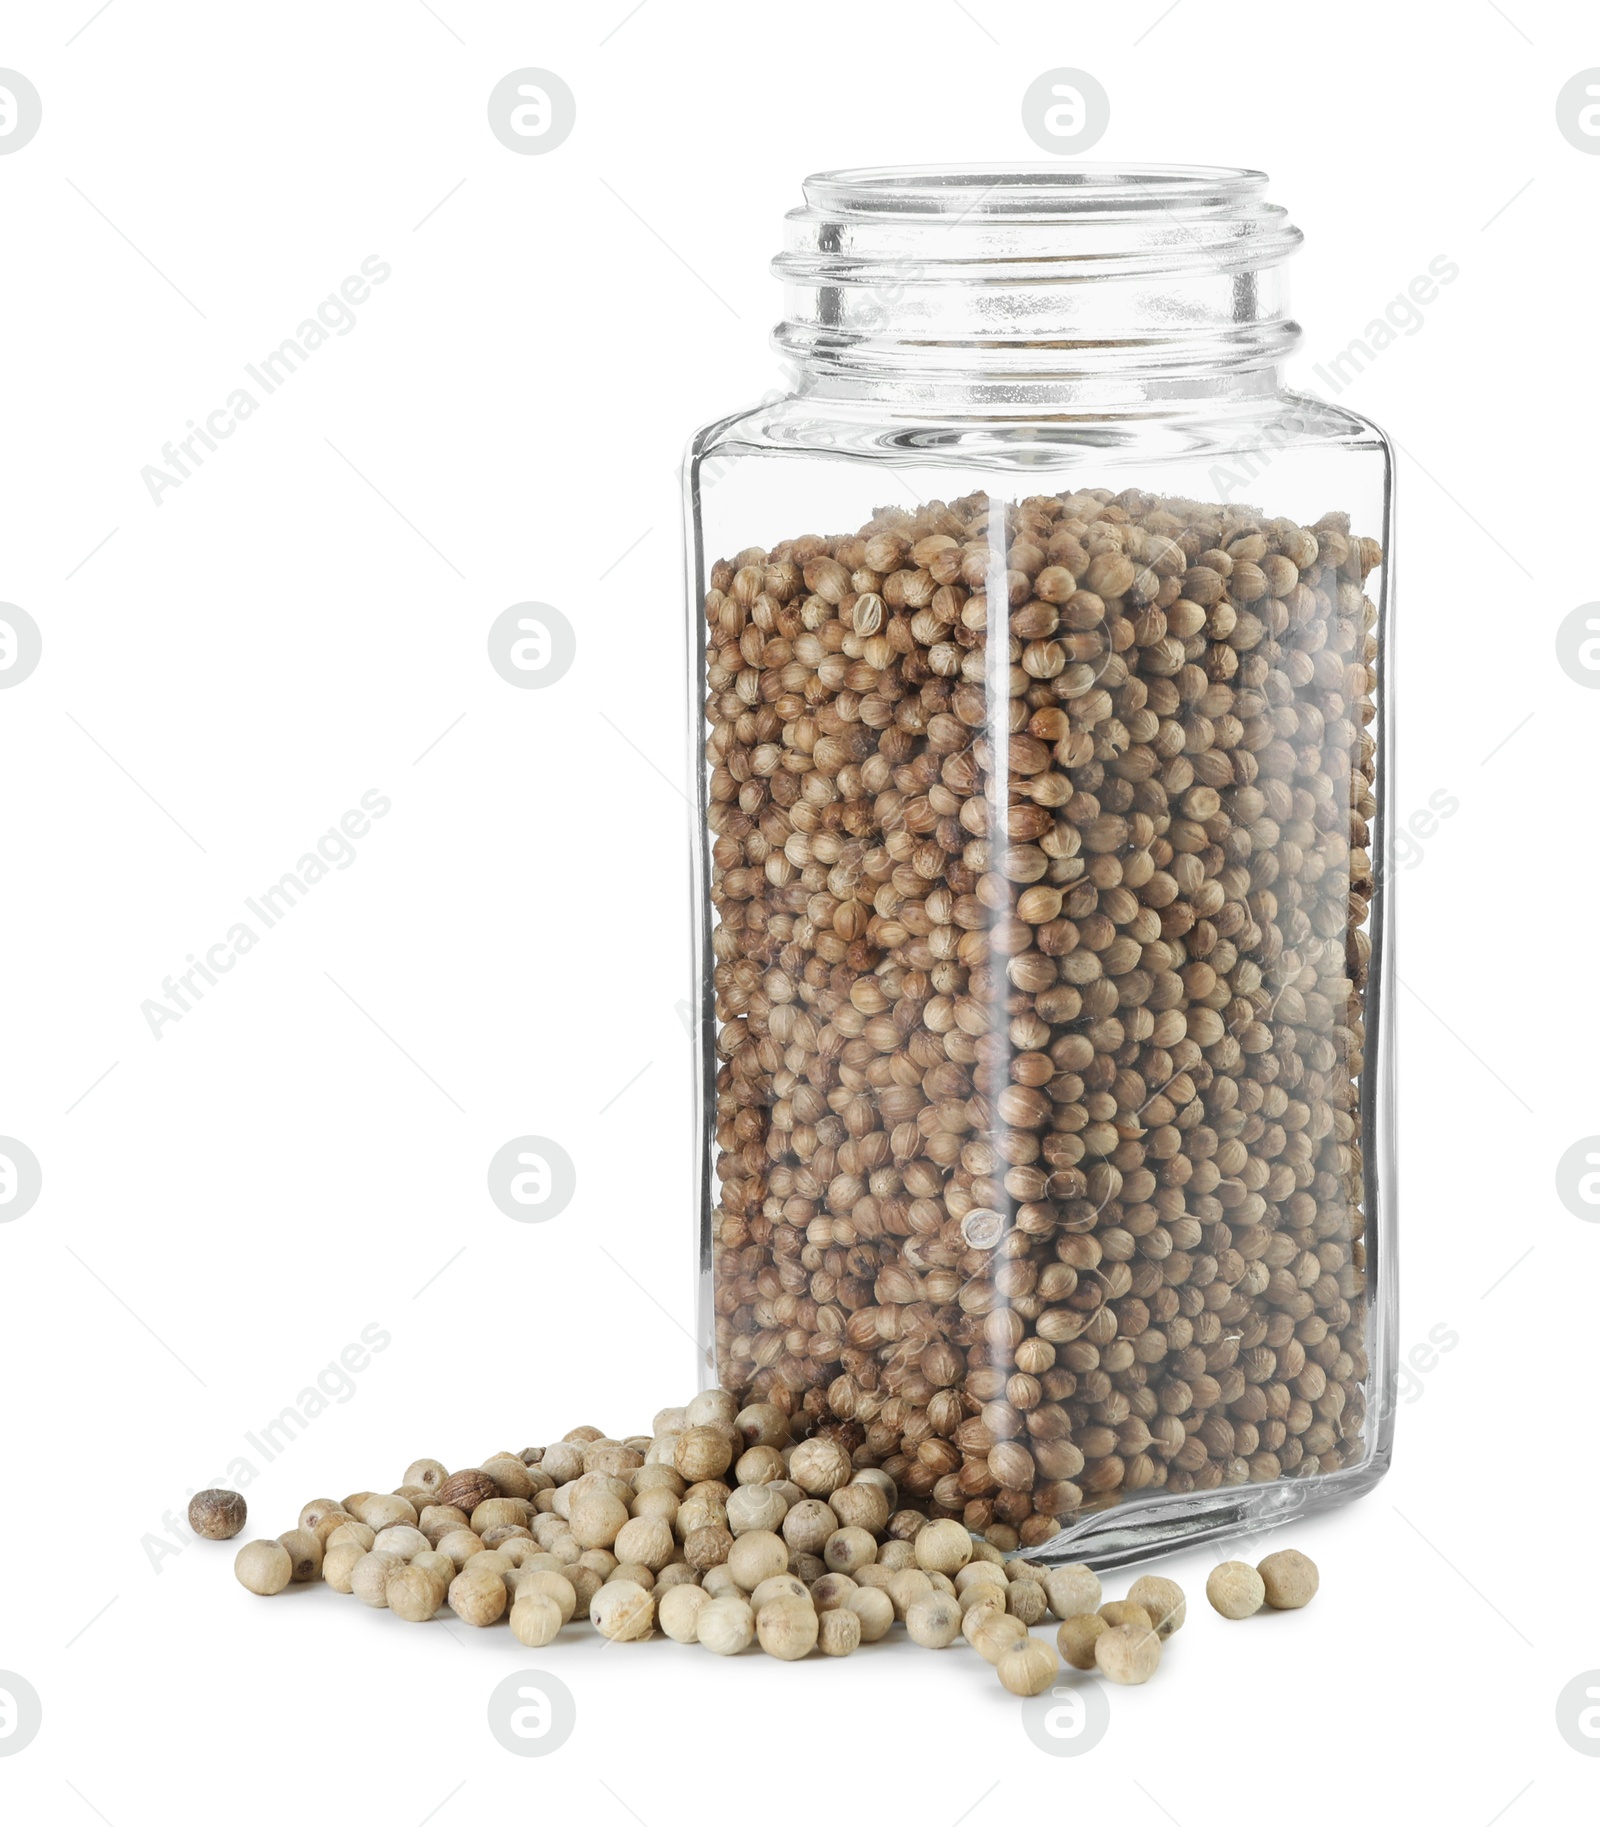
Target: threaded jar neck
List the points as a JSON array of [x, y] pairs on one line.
[[996, 286]]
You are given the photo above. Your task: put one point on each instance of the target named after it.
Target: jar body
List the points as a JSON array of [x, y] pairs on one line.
[[1045, 1067]]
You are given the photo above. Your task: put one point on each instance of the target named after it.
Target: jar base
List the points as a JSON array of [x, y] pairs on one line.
[[1126, 1533]]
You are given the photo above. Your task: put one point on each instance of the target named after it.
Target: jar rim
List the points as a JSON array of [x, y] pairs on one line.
[[1029, 191]]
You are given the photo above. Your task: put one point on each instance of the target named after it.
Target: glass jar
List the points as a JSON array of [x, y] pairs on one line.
[[1046, 1078]]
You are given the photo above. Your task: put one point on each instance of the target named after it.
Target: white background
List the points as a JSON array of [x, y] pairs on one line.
[[304, 1153]]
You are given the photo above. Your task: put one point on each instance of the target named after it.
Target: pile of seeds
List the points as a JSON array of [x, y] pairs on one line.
[[719, 1529], [1040, 981]]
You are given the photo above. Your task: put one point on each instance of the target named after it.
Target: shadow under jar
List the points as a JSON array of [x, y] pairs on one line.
[[1045, 1071]]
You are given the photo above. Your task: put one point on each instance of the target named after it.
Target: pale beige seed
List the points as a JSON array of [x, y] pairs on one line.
[[1072, 1590], [263, 1567], [350, 1533], [906, 1588], [820, 1466], [1163, 1599], [678, 1611], [787, 1628], [1235, 1589], [943, 1547], [849, 1550], [547, 1583], [996, 1634], [413, 1593], [756, 1506], [934, 1620], [779, 1587], [721, 1584], [712, 1407], [808, 1524], [725, 1626], [981, 1597], [1028, 1667], [875, 1610], [313, 1514], [763, 1424], [478, 1594], [460, 1545], [305, 1552], [622, 1611], [1127, 1654], [439, 1565], [832, 1590], [402, 1539], [756, 1556], [338, 1564], [1077, 1636], [647, 1540], [535, 1620], [427, 1472], [1289, 1579], [1126, 1611], [379, 1512], [370, 1576], [838, 1632]]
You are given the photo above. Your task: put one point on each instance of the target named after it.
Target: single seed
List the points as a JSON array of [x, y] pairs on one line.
[[787, 1628], [1028, 1667], [725, 1626], [838, 1632], [1163, 1599], [1127, 1653], [934, 1620], [1235, 1589], [1289, 1579], [1072, 1590], [413, 1593], [942, 1547], [217, 1515], [535, 1620], [622, 1611], [263, 1567], [1077, 1637], [677, 1612], [875, 1610]]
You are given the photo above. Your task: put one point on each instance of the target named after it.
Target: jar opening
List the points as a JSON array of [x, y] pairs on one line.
[[1029, 283], [1044, 192]]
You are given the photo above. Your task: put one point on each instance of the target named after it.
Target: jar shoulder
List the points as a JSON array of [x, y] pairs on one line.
[[803, 426]]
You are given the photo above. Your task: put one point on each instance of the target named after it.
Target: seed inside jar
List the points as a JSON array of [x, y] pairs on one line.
[[1040, 981]]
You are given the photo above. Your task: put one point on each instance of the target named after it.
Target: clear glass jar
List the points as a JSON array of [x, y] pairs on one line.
[[1046, 1083]]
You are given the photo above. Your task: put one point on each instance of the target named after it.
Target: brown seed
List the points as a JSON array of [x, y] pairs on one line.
[[217, 1515], [1077, 1636], [465, 1490]]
